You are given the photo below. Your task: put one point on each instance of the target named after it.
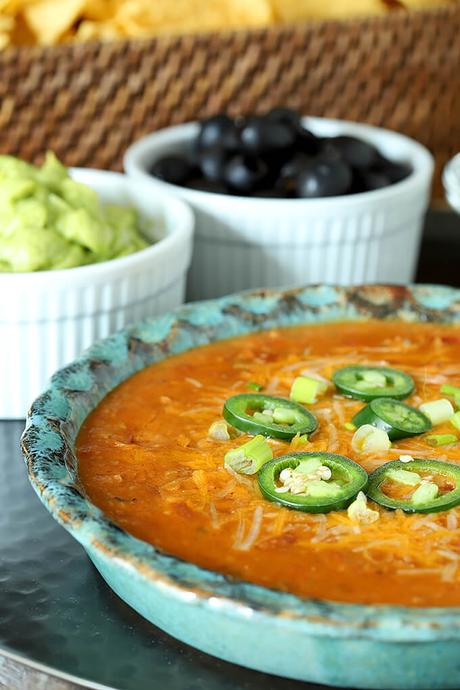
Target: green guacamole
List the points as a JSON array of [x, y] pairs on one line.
[[49, 221]]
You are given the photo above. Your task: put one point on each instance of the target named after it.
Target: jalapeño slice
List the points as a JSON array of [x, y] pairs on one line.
[[393, 416], [419, 486], [255, 413], [312, 482], [367, 383]]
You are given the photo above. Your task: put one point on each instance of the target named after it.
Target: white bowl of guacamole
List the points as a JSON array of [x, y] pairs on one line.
[[82, 253], [51, 221]]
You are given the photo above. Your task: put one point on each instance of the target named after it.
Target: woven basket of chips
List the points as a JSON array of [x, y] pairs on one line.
[[89, 101]]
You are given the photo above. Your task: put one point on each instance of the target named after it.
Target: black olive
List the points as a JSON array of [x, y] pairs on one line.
[[327, 150], [212, 162], [172, 169], [294, 166], [286, 187], [274, 193], [356, 152], [203, 185], [261, 136], [374, 179], [307, 142], [274, 162], [219, 130], [368, 180], [394, 171], [289, 172], [324, 177], [244, 174], [286, 116]]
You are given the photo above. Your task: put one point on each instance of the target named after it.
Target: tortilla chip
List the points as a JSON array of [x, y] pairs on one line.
[[424, 4], [6, 29], [50, 19], [21, 34], [90, 31], [182, 16], [48, 22], [6, 23], [12, 7], [298, 10], [101, 10]]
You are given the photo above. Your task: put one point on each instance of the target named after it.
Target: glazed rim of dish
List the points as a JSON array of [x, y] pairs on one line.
[[56, 416]]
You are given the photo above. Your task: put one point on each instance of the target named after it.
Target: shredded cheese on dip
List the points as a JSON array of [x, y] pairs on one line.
[[151, 456]]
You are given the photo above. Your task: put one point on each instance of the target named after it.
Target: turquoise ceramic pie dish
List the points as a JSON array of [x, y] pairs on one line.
[[337, 644]]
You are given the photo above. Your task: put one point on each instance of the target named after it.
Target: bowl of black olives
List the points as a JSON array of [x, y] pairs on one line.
[[281, 199]]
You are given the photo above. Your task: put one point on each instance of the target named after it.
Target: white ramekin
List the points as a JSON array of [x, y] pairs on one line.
[[47, 318], [245, 242], [451, 182]]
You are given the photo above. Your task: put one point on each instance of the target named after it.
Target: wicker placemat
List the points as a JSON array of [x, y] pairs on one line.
[[88, 102]]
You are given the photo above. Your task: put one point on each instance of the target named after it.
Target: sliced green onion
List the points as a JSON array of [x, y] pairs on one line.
[[438, 411], [306, 390], [263, 418], [404, 477], [358, 511], [309, 466], [425, 493], [349, 426], [370, 438], [253, 386], [373, 379], [316, 488], [441, 439], [455, 420], [219, 431], [249, 458], [283, 415], [406, 458], [454, 391], [299, 440]]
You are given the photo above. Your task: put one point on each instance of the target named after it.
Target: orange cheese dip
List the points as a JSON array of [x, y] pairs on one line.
[[145, 458]]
